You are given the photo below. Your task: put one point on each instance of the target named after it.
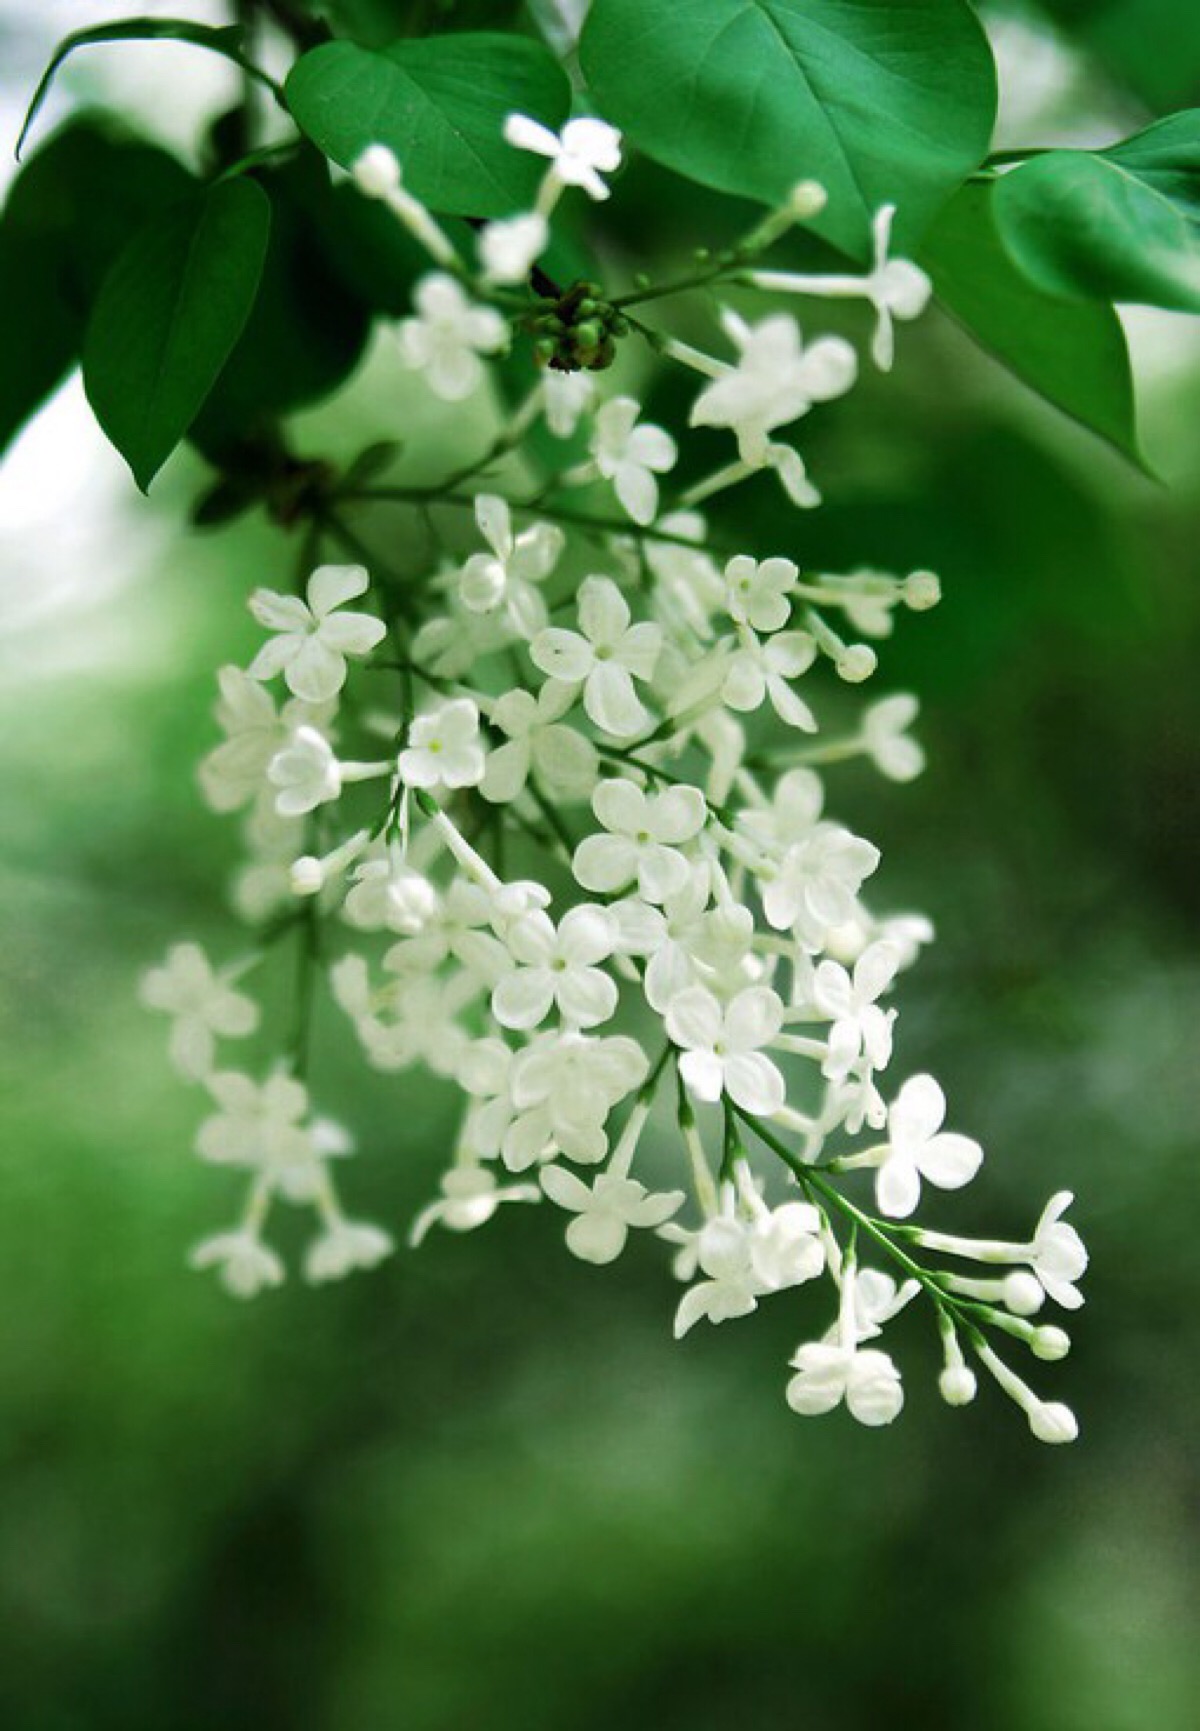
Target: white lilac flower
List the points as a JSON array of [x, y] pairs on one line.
[[604, 656], [509, 248], [895, 287], [775, 381], [448, 335], [785, 1246], [444, 748], [731, 1288], [540, 743], [344, 1246], [246, 1265], [202, 1005], [630, 453], [722, 1046], [917, 1147], [314, 637], [583, 151], [557, 968], [827, 1374], [305, 773], [564, 1086], [792, 814], [758, 591], [232, 773], [507, 578], [818, 881], [860, 1028], [1057, 1254], [886, 740], [645, 832], [566, 397], [758, 670], [388, 895], [260, 1125], [470, 1196], [605, 1210]]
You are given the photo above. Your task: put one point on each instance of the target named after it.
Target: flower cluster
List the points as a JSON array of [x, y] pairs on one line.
[[644, 709]]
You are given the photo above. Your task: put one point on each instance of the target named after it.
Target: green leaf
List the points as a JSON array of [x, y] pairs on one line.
[[308, 327], [878, 101], [223, 39], [1070, 353], [70, 211], [440, 103], [167, 317], [1121, 224]]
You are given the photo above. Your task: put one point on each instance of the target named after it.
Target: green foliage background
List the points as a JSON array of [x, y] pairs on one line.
[[482, 1487]]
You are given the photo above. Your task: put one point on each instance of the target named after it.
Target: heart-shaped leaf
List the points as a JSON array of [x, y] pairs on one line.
[[1121, 224], [167, 317], [439, 103], [879, 102], [1071, 353]]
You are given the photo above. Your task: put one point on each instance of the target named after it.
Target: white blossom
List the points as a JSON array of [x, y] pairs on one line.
[[604, 656], [314, 637], [775, 381], [509, 248], [539, 742], [886, 740], [605, 1210], [246, 1265], [448, 335], [557, 968], [1057, 1254], [859, 1027], [759, 670], [583, 151], [818, 880], [630, 452], [202, 1004], [344, 1246], [827, 1374], [507, 578], [260, 1125], [722, 1046], [645, 832], [470, 1197], [757, 591], [443, 747], [917, 1147]]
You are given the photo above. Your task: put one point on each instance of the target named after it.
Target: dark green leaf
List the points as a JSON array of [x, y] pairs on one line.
[[223, 39], [440, 103], [1072, 354], [880, 102], [1121, 224], [167, 317], [70, 211], [308, 327]]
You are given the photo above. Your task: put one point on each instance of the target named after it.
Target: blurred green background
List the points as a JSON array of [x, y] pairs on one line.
[[482, 1487]]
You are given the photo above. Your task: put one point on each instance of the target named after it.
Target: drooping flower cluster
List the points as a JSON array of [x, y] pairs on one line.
[[647, 709]]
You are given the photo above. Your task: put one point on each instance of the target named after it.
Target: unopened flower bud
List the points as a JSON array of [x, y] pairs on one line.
[[1052, 1422], [376, 171], [858, 663], [307, 875], [808, 198], [957, 1385], [921, 590], [1050, 1343], [1023, 1294]]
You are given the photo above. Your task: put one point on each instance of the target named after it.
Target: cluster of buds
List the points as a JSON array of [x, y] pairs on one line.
[[578, 331]]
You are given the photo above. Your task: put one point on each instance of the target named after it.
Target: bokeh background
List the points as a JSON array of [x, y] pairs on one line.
[[482, 1487]]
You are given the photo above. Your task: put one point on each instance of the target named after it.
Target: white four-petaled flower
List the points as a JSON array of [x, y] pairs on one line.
[[443, 747], [722, 1046], [579, 154], [202, 1005], [448, 335], [917, 1147], [313, 637], [775, 381], [604, 656], [645, 832], [605, 1210], [630, 453]]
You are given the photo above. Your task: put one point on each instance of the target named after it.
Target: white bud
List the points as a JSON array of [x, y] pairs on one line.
[[307, 875], [807, 198], [957, 1385], [1052, 1422], [376, 171], [921, 590], [1050, 1343], [857, 663], [1023, 1294]]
